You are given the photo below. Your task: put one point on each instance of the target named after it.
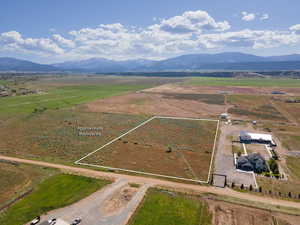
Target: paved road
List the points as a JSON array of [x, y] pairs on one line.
[[90, 209], [160, 183]]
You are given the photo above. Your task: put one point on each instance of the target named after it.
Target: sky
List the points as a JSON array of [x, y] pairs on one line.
[[63, 30]]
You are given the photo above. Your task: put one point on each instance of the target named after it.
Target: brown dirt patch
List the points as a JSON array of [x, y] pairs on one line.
[[119, 200], [156, 104], [230, 214]]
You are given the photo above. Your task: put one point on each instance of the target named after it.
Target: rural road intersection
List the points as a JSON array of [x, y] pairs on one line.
[[154, 182]]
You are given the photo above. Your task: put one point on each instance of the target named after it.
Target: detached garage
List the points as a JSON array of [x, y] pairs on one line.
[[246, 137]]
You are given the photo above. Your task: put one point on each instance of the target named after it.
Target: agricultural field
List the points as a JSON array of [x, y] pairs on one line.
[[163, 208], [293, 164], [45, 126], [63, 97], [163, 104], [254, 107], [288, 134], [292, 110], [291, 141], [55, 192], [244, 82], [170, 208], [27, 177], [53, 135], [163, 146]]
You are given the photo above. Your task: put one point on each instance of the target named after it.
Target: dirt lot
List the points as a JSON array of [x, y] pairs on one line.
[[230, 214], [147, 149], [118, 200], [162, 104], [175, 88]]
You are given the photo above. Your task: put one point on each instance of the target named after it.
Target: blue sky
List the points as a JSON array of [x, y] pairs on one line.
[[60, 30]]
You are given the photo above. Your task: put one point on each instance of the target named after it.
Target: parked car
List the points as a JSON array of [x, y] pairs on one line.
[[76, 221], [35, 221], [52, 221]]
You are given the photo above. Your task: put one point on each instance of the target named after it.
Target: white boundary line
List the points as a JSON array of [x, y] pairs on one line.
[[213, 152], [152, 174], [110, 142]]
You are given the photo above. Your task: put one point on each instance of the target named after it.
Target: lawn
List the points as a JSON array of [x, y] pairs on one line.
[[163, 208], [55, 192], [163, 146], [247, 82]]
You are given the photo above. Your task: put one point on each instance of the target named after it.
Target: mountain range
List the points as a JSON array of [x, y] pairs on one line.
[[192, 62]]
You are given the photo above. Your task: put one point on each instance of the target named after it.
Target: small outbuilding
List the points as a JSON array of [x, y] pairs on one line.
[[246, 137], [224, 116]]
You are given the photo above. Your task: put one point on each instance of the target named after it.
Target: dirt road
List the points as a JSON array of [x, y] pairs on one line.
[[160, 183]]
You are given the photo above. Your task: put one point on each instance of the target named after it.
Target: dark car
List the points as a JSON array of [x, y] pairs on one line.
[[76, 221]]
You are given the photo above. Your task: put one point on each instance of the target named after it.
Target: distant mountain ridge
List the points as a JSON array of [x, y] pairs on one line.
[[191, 62], [12, 64], [102, 64], [227, 60]]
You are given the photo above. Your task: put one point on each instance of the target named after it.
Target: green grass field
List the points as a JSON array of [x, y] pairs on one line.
[[56, 192], [63, 97], [254, 82], [161, 208], [27, 177], [3, 82]]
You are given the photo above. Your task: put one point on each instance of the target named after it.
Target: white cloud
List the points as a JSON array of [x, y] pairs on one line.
[[13, 41], [295, 28], [63, 41], [191, 21], [248, 16], [187, 33], [264, 16], [52, 30]]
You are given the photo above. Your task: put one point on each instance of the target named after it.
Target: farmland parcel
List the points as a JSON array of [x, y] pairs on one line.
[[164, 146]]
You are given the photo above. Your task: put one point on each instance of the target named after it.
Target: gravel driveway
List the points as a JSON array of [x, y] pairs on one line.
[[224, 160], [90, 209]]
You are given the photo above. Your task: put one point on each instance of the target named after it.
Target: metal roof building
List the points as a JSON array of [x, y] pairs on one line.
[[247, 137]]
